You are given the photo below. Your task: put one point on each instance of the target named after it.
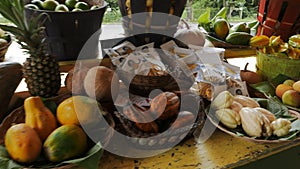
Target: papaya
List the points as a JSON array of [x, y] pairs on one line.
[[240, 27], [238, 38], [66, 142], [22, 143], [221, 28], [39, 117]]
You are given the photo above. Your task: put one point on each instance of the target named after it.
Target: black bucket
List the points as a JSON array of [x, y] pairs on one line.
[[67, 32]]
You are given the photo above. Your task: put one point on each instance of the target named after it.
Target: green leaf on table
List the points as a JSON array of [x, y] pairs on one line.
[[279, 79], [264, 87], [6, 162], [204, 18], [91, 158], [274, 106], [295, 125]]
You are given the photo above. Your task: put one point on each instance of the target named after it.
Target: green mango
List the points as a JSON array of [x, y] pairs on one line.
[[238, 38], [240, 27]]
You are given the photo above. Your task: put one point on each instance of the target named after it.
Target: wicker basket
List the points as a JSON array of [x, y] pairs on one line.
[[137, 138], [269, 66], [67, 32], [280, 17], [18, 116], [163, 20], [4, 49]]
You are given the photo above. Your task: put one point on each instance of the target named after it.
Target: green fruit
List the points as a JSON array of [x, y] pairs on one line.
[[238, 38], [221, 28], [82, 5], [239, 27], [61, 8], [50, 5], [291, 98], [94, 7], [31, 6], [289, 82], [76, 10], [71, 3], [66, 142], [38, 3]]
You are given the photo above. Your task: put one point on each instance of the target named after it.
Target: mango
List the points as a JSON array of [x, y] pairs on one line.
[[66, 142], [238, 38], [296, 86], [289, 82], [281, 89], [291, 98], [22, 143], [239, 27], [221, 28]]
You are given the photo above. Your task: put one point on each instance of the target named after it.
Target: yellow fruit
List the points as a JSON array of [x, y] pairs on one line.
[[289, 82], [22, 143], [291, 98], [259, 41], [280, 89], [296, 86], [39, 117], [78, 110]]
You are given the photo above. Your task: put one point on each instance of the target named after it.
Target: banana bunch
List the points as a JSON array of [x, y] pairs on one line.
[[149, 7], [233, 111], [275, 45]]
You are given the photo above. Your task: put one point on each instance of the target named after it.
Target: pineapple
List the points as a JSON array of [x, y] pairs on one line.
[[41, 71]]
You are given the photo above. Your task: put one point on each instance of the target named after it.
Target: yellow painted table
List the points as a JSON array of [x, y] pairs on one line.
[[219, 151]]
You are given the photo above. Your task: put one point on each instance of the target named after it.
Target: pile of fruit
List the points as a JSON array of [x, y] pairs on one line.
[[289, 92], [44, 134], [220, 30], [65, 6], [276, 46], [255, 121]]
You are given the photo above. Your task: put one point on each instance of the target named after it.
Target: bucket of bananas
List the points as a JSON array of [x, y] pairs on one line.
[[273, 52], [151, 16]]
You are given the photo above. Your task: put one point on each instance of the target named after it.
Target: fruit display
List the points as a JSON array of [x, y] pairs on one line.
[[45, 137], [245, 117], [289, 93], [66, 6], [223, 34], [41, 71]]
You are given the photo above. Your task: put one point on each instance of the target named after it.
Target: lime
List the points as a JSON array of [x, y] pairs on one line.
[[71, 3], [61, 8], [31, 6], [38, 3], [94, 7], [50, 5], [76, 10], [82, 5]]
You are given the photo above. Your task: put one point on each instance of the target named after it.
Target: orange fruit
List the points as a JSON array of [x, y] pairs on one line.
[[280, 89], [78, 110]]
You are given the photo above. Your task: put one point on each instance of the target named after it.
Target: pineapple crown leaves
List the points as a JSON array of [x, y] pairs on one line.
[[29, 35]]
